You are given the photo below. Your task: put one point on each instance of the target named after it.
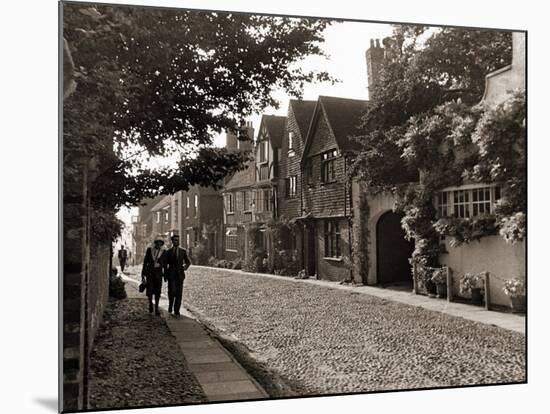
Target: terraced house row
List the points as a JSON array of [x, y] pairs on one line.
[[295, 209], [300, 177]]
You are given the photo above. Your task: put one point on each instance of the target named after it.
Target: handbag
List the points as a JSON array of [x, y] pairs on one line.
[[142, 286]]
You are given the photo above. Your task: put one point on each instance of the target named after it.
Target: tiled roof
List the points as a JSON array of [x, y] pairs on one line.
[[303, 112], [276, 128], [243, 178], [344, 117]]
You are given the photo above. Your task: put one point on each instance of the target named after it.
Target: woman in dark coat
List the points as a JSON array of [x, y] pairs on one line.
[[152, 272]]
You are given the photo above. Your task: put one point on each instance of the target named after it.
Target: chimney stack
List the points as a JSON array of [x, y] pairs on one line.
[[243, 141], [374, 57], [230, 141]]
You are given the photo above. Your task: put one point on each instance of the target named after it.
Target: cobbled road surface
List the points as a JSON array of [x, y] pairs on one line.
[[325, 340]]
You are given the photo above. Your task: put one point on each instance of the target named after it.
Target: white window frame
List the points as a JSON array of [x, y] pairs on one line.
[[229, 203], [196, 201], [263, 150], [292, 186], [328, 164], [291, 142], [187, 204], [447, 209], [266, 198], [231, 233]]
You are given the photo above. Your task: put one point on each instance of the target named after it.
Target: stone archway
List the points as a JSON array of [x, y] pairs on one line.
[[392, 251]]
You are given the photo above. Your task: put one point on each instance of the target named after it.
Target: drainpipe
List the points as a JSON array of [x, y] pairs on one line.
[[348, 197]]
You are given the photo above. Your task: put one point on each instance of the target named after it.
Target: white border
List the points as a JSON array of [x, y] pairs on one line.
[[29, 175]]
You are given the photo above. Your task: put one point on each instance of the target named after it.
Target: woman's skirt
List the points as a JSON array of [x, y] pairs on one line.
[[154, 283]]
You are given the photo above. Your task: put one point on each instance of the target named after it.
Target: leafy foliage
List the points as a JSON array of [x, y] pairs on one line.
[[285, 260], [161, 82], [256, 260], [416, 78]]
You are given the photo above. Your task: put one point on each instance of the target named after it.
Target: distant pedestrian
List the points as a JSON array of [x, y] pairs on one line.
[[122, 258], [177, 262], [152, 272]]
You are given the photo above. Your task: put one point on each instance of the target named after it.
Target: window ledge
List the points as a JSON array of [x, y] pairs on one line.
[[334, 259], [231, 250]]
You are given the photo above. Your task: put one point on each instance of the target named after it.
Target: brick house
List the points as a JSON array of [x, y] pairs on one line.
[[142, 228], [162, 222], [238, 206], [326, 192], [201, 215]]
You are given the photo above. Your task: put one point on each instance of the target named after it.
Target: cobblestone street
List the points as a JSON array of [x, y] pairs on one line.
[[323, 340]]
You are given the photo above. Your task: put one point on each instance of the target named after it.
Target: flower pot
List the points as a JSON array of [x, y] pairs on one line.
[[517, 304], [477, 297], [441, 289]]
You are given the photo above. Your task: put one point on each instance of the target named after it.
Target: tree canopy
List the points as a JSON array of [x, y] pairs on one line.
[[162, 82], [424, 70]]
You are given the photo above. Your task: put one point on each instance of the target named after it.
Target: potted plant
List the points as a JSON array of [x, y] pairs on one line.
[[439, 278], [472, 284], [515, 290]]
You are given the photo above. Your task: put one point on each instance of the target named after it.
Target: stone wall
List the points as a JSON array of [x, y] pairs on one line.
[[75, 268], [85, 290], [98, 286]]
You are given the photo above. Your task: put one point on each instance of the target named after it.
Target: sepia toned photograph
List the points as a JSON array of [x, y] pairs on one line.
[[260, 207]]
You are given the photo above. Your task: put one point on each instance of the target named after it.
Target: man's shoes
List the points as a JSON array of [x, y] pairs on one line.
[[150, 308], [157, 312], [177, 315], [169, 309]]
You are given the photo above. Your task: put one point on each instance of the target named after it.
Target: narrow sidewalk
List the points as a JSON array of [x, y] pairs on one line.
[[510, 321], [221, 377]]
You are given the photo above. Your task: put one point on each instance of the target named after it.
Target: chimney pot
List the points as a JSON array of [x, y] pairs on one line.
[[371, 43], [377, 43]]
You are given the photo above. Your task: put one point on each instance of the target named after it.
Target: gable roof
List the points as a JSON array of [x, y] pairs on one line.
[[343, 117], [275, 126], [303, 112], [243, 178]]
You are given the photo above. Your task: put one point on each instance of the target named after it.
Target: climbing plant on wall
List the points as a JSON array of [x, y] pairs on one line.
[[285, 259], [425, 130]]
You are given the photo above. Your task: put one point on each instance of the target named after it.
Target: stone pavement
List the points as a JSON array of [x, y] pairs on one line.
[[510, 321], [221, 377]]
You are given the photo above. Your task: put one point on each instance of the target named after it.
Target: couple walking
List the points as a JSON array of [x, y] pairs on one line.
[[165, 264]]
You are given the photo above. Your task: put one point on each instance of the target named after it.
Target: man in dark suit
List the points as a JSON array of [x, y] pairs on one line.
[[176, 263], [122, 258]]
